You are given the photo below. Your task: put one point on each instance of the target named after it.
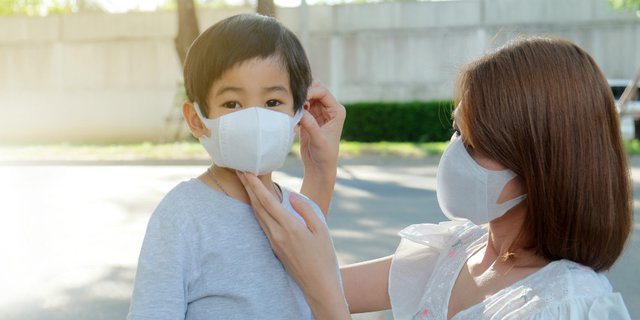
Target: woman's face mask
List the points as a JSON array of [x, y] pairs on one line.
[[254, 139], [466, 190]]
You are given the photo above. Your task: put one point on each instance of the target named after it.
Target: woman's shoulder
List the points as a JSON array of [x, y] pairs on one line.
[[437, 235], [416, 260], [575, 279], [568, 290]]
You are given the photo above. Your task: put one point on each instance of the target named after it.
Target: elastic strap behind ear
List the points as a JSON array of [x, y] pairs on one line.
[[298, 116], [196, 106]]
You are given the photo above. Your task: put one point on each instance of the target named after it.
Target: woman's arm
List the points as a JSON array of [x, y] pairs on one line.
[[366, 285], [320, 131]]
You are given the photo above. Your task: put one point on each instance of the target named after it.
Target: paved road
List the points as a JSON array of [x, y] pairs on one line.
[[70, 234]]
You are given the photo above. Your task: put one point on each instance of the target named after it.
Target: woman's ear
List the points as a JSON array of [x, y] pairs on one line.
[[196, 126]]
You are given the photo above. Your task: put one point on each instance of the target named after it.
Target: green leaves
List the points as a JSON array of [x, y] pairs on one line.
[[416, 121], [630, 5]]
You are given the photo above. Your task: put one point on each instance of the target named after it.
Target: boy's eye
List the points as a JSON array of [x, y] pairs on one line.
[[232, 105], [273, 103]]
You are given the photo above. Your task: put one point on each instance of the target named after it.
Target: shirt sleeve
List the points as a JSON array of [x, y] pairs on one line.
[[414, 262], [161, 283], [609, 306]]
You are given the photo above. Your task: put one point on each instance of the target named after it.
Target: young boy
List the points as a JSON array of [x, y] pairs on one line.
[[204, 254]]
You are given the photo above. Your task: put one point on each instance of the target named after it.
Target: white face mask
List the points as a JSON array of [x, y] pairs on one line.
[[467, 190], [253, 139]]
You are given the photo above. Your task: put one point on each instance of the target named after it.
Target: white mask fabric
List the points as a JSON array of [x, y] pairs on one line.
[[254, 139], [466, 190]]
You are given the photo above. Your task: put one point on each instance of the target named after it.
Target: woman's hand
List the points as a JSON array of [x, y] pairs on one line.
[[306, 251], [320, 131]]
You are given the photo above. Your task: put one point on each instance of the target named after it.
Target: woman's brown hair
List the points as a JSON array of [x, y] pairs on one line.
[[542, 108]]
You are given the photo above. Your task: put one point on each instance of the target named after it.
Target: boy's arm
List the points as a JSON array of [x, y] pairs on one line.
[[159, 291], [320, 131]]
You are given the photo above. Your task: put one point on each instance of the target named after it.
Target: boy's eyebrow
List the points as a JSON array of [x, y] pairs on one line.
[[223, 89], [276, 88]]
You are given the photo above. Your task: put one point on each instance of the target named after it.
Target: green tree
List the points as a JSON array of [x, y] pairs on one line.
[[266, 7], [188, 29], [36, 7], [633, 5]]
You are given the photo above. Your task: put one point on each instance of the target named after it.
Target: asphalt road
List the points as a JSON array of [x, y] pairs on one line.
[[71, 232]]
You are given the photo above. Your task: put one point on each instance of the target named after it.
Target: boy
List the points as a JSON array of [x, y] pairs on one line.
[[204, 254]]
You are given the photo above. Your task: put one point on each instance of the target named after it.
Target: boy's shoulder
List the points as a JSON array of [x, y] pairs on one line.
[[194, 201], [285, 195], [183, 193], [186, 199]]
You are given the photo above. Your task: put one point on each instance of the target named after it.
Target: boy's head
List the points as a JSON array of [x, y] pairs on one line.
[[238, 39]]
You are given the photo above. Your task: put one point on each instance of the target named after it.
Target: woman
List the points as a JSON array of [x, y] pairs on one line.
[[536, 183]]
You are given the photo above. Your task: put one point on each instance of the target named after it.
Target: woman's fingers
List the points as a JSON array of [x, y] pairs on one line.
[[310, 124], [266, 221], [307, 213], [265, 203], [323, 105]]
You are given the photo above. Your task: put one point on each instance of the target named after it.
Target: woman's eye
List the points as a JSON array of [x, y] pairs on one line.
[[231, 105], [273, 103]]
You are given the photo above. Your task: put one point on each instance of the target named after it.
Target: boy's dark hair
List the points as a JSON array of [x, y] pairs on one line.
[[237, 39]]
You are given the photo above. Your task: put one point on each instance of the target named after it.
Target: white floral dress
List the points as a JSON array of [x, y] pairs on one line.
[[430, 256]]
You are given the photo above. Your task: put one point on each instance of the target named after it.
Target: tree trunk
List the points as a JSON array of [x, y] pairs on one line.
[[266, 7], [188, 28]]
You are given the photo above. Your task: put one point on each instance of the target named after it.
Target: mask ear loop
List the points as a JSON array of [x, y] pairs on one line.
[[203, 119], [196, 106], [505, 175], [298, 116]]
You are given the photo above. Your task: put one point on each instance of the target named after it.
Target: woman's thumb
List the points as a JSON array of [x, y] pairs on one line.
[[304, 209], [309, 123]]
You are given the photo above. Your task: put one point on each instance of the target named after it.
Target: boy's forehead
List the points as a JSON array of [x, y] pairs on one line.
[[257, 73]]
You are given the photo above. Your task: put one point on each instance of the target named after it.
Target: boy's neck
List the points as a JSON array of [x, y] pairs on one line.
[[226, 181]]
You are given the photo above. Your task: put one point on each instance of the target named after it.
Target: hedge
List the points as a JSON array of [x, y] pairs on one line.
[[416, 121]]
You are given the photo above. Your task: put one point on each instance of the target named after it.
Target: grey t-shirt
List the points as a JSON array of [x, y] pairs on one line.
[[204, 256]]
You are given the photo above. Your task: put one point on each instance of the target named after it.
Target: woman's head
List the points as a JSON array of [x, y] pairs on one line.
[[542, 108]]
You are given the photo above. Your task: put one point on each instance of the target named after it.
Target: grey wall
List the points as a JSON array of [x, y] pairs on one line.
[[113, 77]]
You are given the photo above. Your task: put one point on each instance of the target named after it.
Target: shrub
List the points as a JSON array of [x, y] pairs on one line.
[[416, 121]]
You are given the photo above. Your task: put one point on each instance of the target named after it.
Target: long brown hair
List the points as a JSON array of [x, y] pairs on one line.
[[542, 108]]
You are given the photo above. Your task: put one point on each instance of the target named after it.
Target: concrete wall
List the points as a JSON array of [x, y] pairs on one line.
[[113, 77]]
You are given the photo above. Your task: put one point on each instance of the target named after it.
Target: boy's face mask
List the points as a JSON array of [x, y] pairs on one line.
[[254, 139], [469, 191]]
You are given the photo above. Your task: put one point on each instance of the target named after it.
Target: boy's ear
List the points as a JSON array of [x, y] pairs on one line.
[[193, 121]]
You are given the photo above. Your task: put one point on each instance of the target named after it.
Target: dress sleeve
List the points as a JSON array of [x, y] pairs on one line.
[[609, 306], [414, 262], [164, 266]]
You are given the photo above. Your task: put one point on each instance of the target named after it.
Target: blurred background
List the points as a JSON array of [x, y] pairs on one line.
[[91, 134], [96, 71]]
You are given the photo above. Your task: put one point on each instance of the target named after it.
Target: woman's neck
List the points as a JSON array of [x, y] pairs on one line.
[[503, 232]]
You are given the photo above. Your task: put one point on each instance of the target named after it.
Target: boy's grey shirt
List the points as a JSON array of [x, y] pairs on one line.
[[204, 256]]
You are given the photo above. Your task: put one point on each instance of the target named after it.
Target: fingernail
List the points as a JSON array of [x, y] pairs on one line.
[[295, 197]]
